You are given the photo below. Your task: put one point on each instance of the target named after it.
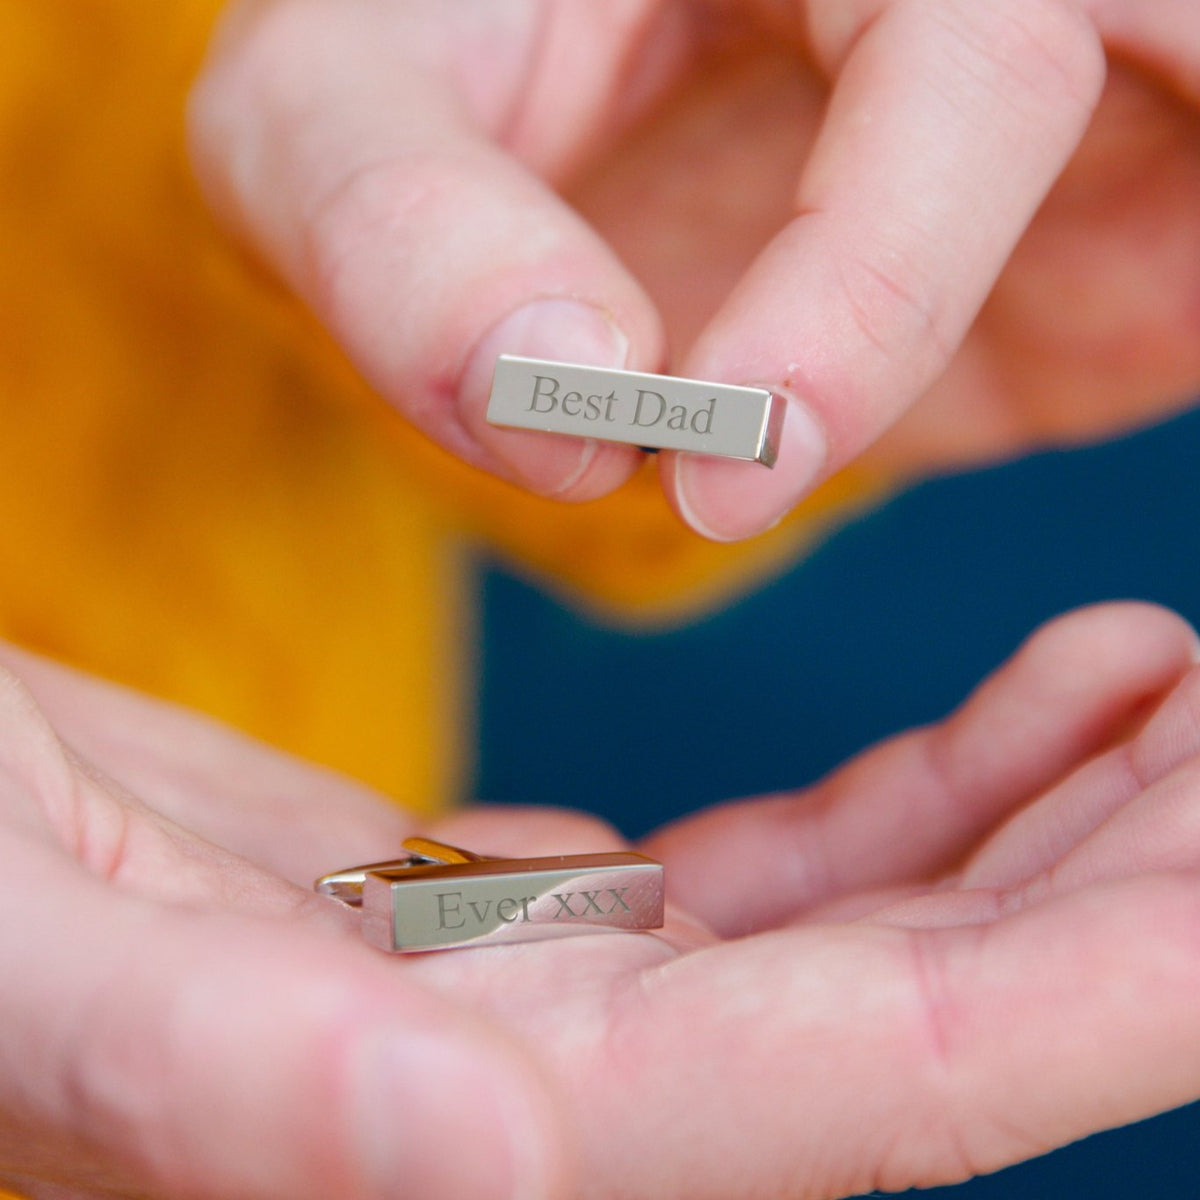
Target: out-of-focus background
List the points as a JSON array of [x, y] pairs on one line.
[[199, 499], [889, 624]]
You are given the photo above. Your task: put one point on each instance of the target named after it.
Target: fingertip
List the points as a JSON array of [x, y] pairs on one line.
[[1130, 636], [560, 329], [726, 501]]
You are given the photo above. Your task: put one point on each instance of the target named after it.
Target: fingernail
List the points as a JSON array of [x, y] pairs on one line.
[[432, 1120], [727, 501], [560, 330]]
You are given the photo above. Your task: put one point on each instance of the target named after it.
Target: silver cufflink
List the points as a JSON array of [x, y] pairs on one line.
[[439, 897], [657, 412]]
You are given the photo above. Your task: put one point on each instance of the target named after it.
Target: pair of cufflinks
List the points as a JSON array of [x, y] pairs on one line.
[[439, 897]]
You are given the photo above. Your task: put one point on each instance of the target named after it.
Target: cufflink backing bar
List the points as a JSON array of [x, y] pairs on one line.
[[439, 897], [657, 412], [347, 885]]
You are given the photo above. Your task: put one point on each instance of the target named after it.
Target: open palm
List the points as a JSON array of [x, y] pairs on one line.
[[972, 944]]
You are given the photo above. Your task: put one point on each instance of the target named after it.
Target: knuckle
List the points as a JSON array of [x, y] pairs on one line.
[[938, 1153], [344, 228], [956, 1129], [896, 310]]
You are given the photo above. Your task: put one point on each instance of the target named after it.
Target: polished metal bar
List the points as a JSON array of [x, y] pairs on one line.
[[438, 906], [651, 411]]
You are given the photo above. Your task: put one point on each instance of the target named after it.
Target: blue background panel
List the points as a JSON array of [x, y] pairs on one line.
[[886, 626]]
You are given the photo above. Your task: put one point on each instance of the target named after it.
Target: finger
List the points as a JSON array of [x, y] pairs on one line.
[[1136, 808], [163, 1052], [947, 125], [64, 804], [1034, 840], [866, 1058], [1162, 34], [354, 143], [292, 818], [910, 809], [1157, 830]]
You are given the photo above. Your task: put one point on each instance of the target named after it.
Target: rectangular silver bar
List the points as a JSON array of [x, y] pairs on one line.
[[653, 411], [510, 900]]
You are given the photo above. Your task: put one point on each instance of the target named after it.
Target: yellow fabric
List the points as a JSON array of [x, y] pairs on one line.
[[180, 505], [197, 496]]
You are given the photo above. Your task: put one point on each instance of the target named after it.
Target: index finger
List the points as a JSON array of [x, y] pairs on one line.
[[947, 126]]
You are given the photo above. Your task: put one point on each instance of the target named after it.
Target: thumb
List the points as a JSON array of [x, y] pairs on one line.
[[342, 139], [169, 1052]]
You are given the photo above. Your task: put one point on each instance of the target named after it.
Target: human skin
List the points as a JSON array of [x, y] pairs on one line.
[[977, 223], [974, 943]]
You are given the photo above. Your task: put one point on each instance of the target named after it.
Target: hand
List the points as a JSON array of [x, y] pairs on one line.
[[178, 1020], [446, 182], [1010, 895]]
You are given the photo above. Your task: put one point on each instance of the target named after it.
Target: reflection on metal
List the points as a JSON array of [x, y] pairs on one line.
[[439, 896], [658, 412]]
